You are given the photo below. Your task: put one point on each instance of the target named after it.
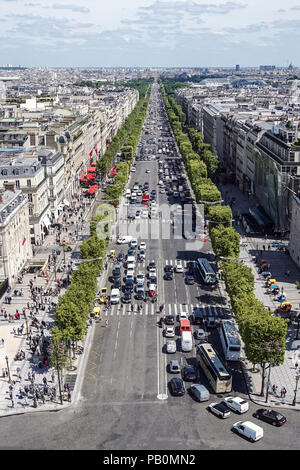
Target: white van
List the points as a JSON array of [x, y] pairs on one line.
[[199, 392], [249, 430], [128, 193], [125, 239], [186, 341], [115, 296]]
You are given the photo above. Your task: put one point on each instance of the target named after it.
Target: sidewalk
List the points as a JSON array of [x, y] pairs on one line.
[[285, 374], [13, 332]]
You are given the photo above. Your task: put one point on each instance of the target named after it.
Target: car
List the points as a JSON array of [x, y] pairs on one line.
[[219, 409], [126, 297], [142, 255], [168, 268], [168, 276], [152, 290], [190, 268], [183, 316], [147, 170], [171, 346], [169, 319], [140, 292], [143, 246], [121, 257], [270, 416], [131, 251], [189, 279], [152, 264], [144, 214], [200, 334], [117, 283], [130, 267], [174, 367], [177, 387], [133, 169], [128, 284], [153, 279], [116, 271], [237, 404], [133, 243], [140, 278], [162, 190], [170, 332], [211, 322], [189, 373], [139, 192], [179, 268], [138, 215]]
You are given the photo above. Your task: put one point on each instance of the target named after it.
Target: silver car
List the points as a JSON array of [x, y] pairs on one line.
[[171, 346]]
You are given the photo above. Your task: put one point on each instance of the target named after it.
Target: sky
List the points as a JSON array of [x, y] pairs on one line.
[[149, 33]]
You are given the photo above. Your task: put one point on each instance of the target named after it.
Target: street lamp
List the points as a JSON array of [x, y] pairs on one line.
[[296, 388], [9, 379]]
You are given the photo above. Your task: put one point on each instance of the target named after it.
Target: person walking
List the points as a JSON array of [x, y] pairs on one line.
[[69, 396]]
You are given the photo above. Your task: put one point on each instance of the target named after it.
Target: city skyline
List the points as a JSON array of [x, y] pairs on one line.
[[149, 33]]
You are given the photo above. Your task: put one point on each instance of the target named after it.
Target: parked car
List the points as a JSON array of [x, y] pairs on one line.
[[249, 430], [237, 404], [219, 409], [270, 416], [199, 392], [177, 387], [189, 373], [168, 276]]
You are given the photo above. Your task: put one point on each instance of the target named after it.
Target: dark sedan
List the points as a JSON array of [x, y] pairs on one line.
[[127, 297], [270, 416], [177, 387], [168, 276], [189, 374], [117, 283], [169, 320], [121, 257]]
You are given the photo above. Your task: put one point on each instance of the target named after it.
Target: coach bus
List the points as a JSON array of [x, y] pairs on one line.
[[206, 271], [214, 369], [230, 339]]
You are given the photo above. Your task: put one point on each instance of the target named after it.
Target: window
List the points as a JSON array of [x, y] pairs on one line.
[[28, 183], [4, 172], [29, 197], [30, 209], [17, 184]]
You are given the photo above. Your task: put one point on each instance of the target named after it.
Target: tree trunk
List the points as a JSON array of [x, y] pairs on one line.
[[262, 392]]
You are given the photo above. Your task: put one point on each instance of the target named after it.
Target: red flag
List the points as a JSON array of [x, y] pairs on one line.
[[91, 153], [23, 242]]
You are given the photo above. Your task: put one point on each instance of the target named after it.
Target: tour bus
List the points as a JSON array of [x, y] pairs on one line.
[[230, 340], [206, 271], [214, 369]]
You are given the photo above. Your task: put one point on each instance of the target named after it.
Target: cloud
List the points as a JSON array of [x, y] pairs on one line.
[[71, 7]]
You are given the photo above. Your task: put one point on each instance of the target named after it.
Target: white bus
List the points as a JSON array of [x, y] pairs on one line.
[[206, 271], [230, 340], [217, 375]]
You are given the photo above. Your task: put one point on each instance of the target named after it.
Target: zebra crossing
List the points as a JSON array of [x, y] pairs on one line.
[[149, 309]]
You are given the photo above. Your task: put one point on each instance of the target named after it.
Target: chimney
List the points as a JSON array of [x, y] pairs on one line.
[[9, 187]]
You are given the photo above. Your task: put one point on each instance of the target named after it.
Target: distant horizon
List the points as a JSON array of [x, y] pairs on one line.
[[94, 67]]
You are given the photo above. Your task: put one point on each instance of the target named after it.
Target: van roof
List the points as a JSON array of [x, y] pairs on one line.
[[185, 322], [186, 334], [251, 425]]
